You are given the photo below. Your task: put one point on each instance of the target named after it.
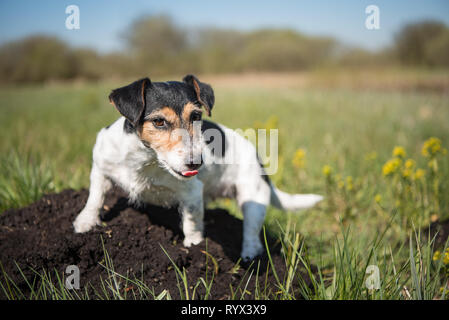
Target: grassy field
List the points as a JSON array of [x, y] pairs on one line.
[[367, 151]]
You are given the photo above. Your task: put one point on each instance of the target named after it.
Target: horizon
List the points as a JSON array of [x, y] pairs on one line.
[[103, 22]]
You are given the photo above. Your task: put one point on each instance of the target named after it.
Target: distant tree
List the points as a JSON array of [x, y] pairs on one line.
[[413, 40], [437, 51], [36, 59], [219, 49], [284, 50], [88, 64], [155, 41]]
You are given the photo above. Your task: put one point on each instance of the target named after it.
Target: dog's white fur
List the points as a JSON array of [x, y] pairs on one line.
[[122, 158]]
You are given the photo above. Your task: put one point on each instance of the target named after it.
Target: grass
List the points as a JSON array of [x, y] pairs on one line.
[[346, 136], [25, 177]]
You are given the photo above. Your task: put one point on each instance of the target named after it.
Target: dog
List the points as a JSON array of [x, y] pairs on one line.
[[140, 153]]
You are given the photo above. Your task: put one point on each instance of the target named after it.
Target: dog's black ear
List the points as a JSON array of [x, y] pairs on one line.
[[204, 92], [130, 100]]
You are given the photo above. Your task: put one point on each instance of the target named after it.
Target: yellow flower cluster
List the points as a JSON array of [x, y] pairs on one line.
[[437, 256], [409, 165], [432, 147], [399, 152], [348, 182], [405, 168], [391, 166], [419, 174], [299, 159]]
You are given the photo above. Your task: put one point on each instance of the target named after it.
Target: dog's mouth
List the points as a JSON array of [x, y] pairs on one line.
[[189, 173], [186, 174], [181, 174]]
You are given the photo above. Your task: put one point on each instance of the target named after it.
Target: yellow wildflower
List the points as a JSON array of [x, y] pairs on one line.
[[391, 166], [349, 184], [399, 152], [299, 160], [446, 258], [433, 165], [327, 170], [436, 255], [407, 173], [419, 173], [378, 198], [410, 164], [432, 147]]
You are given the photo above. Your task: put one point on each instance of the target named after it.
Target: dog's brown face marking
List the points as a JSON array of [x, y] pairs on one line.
[[158, 128], [160, 138]]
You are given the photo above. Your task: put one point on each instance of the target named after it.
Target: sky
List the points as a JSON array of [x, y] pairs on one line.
[[102, 22]]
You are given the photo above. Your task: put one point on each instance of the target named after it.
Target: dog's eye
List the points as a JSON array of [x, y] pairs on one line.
[[196, 116], [159, 122]]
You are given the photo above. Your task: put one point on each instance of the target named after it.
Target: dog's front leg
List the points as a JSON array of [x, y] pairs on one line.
[[191, 208], [90, 215]]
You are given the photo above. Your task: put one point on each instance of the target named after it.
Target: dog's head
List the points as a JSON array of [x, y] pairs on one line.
[[167, 118]]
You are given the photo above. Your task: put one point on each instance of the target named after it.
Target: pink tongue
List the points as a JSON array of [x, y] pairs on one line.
[[189, 173]]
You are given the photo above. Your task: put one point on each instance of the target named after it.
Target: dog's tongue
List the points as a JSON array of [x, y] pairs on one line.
[[190, 173]]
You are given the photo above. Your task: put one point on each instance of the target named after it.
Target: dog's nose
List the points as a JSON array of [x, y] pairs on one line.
[[194, 165]]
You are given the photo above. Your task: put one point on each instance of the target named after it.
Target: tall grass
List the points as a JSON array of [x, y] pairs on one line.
[[24, 178]]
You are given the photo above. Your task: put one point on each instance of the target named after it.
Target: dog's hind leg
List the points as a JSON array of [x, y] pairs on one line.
[[90, 215], [253, 200]]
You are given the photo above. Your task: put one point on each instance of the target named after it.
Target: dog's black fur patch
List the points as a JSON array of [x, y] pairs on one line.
[[206, 125], [140, 98], [128, 127]]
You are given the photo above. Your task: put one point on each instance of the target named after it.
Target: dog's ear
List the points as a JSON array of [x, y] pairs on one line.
[[203, 91], [130, 100]]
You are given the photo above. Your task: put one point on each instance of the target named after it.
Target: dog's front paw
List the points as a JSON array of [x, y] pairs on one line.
[[85, 222], [251, 249], [193, 239]]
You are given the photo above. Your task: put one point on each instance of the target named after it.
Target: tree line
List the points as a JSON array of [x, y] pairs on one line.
[[156, 45]]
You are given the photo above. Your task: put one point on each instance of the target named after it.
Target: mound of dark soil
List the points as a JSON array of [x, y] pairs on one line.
[[41, 236], [439, 230]]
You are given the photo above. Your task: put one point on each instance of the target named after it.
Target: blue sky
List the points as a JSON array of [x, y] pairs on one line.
[[102, 22]]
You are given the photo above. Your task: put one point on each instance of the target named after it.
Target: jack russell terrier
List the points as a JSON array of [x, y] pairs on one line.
[[160, 153]]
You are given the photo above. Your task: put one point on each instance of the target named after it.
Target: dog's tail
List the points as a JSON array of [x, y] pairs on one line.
[[287, 201]]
